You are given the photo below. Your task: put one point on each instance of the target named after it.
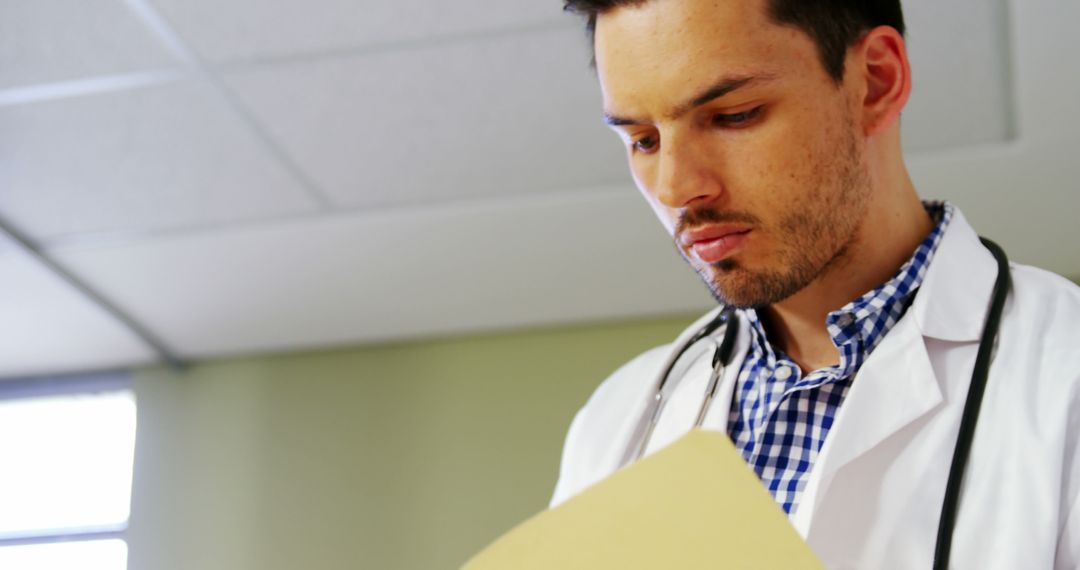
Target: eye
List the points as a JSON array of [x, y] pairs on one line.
[[736, 119], [646, 144]]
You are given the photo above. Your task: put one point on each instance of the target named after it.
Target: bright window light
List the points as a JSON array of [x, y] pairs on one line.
[[67, 448], [92, 555], [68, 462]]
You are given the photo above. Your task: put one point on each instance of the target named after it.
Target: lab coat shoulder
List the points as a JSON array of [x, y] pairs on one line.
[[1040, 352], [1022, 489], [607, 416], [1049, 337], [873, 496], [1051, 306], [1040, 348], [601, 433]]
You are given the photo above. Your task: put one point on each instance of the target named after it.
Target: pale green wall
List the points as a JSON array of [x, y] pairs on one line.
[[398, 457]]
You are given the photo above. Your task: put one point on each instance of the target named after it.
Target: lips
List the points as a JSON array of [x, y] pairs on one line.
[[714, 244]]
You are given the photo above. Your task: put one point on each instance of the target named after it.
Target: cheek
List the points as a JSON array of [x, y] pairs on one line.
[[761, 171], [784, 161]]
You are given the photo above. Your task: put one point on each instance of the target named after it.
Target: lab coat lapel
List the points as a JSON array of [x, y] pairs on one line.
[[894, 387], [897, 384]]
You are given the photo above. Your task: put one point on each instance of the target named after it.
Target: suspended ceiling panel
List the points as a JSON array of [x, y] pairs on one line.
[[163, 156], [55, 40], [492, 117], [399, 275], [332, 175], [1024, 194], [962, 74], [1023, 201], [257, 29], [48, 327]]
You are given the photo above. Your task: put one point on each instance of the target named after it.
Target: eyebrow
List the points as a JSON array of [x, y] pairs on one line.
[[717, 90]]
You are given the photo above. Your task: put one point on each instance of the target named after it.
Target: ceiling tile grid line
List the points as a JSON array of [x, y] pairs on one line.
[[92, 240], [1015, 28], [1007, 55], [163, 155], [98, 84], [90, 86], [14, 237], [467, 206], [397, 46], [163, 31], [168, 35], [251, 29], [338, 281], [175, 43], [487, 117], [45, 41], [445, 255]]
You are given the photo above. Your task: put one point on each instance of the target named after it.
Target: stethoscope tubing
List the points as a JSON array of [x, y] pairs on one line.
[[722, 356], [970, 417]]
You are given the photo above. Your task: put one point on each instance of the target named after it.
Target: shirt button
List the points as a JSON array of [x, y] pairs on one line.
[[845, 319], [783, 373]]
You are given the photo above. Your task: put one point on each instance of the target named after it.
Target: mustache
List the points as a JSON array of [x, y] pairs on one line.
[[692, 218]]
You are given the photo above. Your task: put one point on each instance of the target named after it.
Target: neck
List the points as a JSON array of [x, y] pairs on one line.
[[895, 224]]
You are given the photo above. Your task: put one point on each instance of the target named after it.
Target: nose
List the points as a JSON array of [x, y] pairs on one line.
[[687, 175]]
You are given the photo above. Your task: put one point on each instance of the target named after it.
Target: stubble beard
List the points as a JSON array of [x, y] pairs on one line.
[[812, 240]]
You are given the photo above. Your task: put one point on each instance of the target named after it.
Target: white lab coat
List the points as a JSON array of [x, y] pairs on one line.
[[873, 498]]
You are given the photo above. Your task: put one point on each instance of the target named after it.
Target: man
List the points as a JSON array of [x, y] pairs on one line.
[[765, 135]]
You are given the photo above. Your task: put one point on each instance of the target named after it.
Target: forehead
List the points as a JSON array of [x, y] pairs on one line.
[[662, 49]]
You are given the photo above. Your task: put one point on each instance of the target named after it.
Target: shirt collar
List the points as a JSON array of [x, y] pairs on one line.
[[865, 321], [873, 314]]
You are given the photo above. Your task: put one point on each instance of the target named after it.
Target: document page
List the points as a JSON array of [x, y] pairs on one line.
[[695, 504]]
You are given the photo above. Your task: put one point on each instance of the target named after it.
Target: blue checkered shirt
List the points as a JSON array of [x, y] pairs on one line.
[[779, 418]]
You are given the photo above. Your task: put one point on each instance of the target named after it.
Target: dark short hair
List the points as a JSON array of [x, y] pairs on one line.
[[834, 25]]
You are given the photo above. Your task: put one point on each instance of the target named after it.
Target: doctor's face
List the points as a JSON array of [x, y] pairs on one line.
[[744, 146]]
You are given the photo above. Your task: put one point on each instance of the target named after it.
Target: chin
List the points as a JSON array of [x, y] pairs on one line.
[[733, 284]]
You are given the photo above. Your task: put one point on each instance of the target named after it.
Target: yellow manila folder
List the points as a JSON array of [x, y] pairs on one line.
[[694, 504]]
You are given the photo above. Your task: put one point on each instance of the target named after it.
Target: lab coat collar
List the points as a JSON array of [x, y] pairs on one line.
[[897, 385], [893, 388], [951, 303]]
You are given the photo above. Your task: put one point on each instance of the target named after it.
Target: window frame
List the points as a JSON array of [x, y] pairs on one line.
[[66, 385]]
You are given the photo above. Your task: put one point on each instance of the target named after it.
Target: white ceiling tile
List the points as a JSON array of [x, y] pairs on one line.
[[242, 29], [1025, 201], [149, 158], [54, 40], [497, 116], [1046, 77], [1024, 194], [48, 327], [513, 117], [369, 278], [960, 59]]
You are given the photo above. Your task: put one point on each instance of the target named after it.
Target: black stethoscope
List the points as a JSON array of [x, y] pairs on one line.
[[725, 349]]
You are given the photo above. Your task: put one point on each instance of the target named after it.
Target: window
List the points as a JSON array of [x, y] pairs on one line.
[[66, 452]]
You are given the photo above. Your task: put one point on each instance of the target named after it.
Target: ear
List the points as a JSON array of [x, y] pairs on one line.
[[883, 68]]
